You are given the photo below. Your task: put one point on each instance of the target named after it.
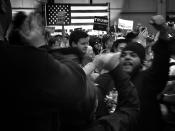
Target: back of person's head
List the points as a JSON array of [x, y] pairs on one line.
[[76, 35], [19, 19], [94, 40], [5, 17], [95, 43], [14, 36], [51, 41], [115, 46], [107, 41], [131, 36], [106, 37], [71, 53]]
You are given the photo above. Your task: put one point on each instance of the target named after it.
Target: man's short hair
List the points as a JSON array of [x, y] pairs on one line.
[[76, 35]]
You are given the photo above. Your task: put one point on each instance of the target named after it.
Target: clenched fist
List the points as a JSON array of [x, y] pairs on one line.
[[108, 61], [159, 23]]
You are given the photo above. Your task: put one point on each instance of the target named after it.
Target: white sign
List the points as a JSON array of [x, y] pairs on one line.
[[125, 24]]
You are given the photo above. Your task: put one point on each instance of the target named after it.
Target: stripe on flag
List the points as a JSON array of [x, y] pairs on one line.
[[83, 14]]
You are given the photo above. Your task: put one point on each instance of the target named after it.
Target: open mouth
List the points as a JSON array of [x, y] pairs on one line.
[[127, 64]]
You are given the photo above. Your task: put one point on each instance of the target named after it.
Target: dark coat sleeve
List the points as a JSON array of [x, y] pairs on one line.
[[157, 74], [125, 116], [149, 84]]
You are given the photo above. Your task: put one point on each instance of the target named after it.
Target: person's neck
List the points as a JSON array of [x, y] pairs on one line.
[[134, 72]]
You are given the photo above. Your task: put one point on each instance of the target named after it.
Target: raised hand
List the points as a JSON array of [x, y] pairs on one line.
[[142, 36], [108, 61], [159, 23]]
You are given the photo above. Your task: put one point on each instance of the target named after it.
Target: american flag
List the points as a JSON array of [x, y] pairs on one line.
[[76, 14], [80, 15], [57, 14]]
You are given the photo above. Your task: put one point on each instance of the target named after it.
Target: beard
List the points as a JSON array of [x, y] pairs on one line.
[[130, 67]]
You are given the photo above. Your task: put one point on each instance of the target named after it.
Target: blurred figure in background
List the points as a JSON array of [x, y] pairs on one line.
[[89, 55], [95, 42], [107, 42], [6, 17], [55, 42], [118, 45], [15, 36]]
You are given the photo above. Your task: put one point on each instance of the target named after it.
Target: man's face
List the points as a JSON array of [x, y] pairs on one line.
[[82, 44], [130, 61]]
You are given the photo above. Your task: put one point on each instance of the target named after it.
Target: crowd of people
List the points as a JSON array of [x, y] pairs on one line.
[[85, 83]]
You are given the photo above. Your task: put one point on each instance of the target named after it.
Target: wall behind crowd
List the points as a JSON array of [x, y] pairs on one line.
[[139, 11]]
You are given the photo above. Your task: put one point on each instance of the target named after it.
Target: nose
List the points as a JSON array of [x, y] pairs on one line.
[[86, 45], [127, 57]]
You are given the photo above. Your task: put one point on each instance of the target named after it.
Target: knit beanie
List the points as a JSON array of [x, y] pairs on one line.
[[137, 48]]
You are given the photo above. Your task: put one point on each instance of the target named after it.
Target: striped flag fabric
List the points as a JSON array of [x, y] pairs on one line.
[[75, 14], [83, 14]]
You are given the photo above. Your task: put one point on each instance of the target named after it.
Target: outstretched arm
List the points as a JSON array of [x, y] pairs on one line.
[[158, 72]]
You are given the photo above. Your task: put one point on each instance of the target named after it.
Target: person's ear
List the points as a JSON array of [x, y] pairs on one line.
[[74, 44]]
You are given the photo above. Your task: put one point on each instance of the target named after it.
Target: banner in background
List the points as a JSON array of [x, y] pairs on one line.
[[125, 24], [100, 23]]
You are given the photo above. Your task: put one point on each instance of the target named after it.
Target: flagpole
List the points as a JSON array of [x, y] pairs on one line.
[[109, 15], [63, 32], [90, 1], [63, 35], [45, 13]]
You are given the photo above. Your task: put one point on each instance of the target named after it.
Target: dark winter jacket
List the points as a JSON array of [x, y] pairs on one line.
[[35, 87], [124, 118]]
